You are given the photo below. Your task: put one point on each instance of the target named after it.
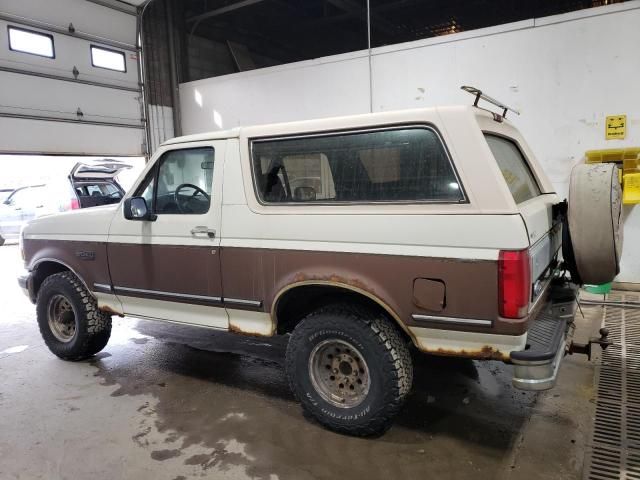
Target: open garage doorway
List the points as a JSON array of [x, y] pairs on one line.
[[36, 185]]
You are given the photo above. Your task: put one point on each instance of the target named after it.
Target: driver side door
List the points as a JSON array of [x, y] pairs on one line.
[[168, 266]]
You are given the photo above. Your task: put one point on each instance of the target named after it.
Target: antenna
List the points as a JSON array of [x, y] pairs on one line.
[[481, 96]]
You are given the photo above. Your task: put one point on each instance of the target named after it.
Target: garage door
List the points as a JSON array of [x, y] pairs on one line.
[[70, 78]]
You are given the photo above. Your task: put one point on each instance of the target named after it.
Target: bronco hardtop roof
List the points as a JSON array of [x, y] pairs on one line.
[[332, 123]]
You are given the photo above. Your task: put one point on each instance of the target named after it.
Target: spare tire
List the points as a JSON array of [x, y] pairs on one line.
[[592, 241]]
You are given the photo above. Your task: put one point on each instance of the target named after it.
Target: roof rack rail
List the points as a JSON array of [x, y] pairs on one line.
[[479, 95]]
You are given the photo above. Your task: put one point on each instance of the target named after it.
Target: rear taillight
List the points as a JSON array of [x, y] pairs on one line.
[[75, 204], [514, 283]]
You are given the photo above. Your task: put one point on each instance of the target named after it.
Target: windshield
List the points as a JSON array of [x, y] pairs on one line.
[[514, 167]]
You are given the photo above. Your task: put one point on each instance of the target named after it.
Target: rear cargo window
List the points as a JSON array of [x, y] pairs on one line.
[[514, 167], [395, 165]]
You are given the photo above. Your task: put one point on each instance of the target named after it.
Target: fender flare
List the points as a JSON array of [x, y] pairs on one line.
[[344, 286]]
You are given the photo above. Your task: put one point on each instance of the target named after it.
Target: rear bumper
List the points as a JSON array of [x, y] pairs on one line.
[[536, 367]]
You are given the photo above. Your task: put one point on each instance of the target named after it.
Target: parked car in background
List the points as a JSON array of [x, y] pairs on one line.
[[5, 192], [22, 205], [89, 184], [95, 183]]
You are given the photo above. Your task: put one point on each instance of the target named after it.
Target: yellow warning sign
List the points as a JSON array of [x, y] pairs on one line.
[[616, 127]]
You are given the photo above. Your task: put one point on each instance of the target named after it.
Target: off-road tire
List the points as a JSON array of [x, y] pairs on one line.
[[383, 348], [92, 327], [1, 241], [593, 232]]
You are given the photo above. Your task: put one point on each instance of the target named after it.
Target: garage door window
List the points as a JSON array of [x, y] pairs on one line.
[[28, 41], [107, 58], [395, 165]]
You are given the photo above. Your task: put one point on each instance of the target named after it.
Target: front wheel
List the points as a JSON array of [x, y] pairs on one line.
[[70, 323], [350, 368]]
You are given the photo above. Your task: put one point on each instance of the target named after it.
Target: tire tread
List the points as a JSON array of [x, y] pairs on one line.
[[98, 323], [397, 365]]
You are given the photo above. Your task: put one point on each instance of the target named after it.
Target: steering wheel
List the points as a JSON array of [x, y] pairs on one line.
[[185, 208]]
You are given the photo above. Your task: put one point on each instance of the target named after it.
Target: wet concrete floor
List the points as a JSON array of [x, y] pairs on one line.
[[172, 402]]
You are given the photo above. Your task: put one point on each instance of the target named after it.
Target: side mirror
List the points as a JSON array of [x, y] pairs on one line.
[[135, 208]]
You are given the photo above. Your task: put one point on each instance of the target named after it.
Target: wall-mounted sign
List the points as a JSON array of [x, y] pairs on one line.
[[616, 127]]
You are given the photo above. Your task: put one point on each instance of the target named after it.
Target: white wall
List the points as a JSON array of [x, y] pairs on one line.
[[565, 73]]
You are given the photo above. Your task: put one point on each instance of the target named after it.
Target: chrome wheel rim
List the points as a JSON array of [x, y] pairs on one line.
[[339, 373], [62, 318]]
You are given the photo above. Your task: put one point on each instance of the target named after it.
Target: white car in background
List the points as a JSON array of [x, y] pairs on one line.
[[5, 192], [89, 184]]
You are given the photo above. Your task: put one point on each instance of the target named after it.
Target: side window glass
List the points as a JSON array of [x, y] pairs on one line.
[[310, 177], [94, 191], [146, 188], [395, 165], [185, 179], [514, 167]]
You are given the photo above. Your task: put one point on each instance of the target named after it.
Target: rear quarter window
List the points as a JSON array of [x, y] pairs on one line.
[[514, 167]]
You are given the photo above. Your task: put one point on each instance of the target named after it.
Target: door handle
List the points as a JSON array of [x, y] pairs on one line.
[[200, 230]]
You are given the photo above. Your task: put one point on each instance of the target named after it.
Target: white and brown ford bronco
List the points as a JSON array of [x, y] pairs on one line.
[[362, 237]]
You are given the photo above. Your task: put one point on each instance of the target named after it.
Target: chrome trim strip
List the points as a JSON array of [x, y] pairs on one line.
[[452, 320], [168, 294], [241, 301], [103, 286]]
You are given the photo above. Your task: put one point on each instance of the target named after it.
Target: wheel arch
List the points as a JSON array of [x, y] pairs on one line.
[[46, 267], [300, 298]]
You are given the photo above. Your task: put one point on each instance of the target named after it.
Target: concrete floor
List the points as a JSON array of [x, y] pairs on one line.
[[171, 402]]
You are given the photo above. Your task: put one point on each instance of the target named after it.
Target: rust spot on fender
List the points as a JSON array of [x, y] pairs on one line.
[[109, 310], [485, 353], [334, 278], [236, 329]]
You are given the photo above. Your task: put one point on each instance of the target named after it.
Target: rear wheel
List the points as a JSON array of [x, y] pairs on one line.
[[1, 241], [350, 368], [70, 323]]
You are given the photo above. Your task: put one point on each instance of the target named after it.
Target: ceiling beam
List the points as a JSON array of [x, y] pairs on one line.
[[378, 22], [223, 10]]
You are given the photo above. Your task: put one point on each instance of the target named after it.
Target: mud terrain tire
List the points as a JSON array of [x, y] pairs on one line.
[[69, 320], [594, 224], [384, 356]]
